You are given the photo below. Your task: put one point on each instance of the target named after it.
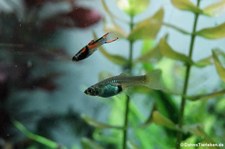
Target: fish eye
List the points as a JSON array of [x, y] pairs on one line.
[[91, 91], [74, 58]]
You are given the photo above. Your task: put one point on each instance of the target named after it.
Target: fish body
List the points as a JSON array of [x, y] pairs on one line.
[[92, 46], [115, 85]]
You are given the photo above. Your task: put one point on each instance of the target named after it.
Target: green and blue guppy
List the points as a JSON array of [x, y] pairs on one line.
[[115, 85]]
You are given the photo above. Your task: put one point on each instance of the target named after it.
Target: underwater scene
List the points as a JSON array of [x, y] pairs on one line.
[[112, 74]]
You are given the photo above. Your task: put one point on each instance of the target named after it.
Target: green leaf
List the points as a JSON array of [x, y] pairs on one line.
[[97, 124], [148, 28], [186, 5], [150, 117], [147, 45], [133, 7], [219, 52], [167, 51], [159, 119], [35, 137], [176, 28], [215, 9], [206, 96], [213, 32], [131, 145], [107, 9], [115, 28], [204, 62], [220, 69], [151, 54], [89, 144], [114, 58], [195, 129]]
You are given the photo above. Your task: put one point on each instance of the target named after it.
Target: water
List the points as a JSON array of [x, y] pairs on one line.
[[42, 88]]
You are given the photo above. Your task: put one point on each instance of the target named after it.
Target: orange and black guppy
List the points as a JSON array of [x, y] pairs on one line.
[[92, 46]]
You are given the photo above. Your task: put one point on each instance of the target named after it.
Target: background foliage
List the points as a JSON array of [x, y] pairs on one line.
[[146, 118]]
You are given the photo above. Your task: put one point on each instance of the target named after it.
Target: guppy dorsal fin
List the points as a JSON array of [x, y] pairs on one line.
[[91, 42], [104, 75], [123, 74]]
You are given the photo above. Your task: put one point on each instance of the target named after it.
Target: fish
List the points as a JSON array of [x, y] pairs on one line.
[[92, 46], [116, 84]]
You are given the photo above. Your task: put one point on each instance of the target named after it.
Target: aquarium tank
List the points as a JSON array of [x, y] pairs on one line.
[[112, 74]]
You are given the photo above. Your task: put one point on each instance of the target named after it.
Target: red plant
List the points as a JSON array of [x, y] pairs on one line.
[[23, 38]]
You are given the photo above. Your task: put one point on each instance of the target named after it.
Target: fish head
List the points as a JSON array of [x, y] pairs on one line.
[[75, 58], [92, 91], [82, 54]]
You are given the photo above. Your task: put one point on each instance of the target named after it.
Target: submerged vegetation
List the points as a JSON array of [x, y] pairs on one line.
[[164, 110], [141, 117]]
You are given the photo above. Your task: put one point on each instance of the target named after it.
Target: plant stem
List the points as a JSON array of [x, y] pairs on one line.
[[130, 60], [187, 74], [127, 102]]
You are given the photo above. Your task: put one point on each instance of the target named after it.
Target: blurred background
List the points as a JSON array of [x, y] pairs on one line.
[[41, 87]]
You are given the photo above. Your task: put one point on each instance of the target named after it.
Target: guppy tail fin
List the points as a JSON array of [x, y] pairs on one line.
[[154, 80], [109, 37]]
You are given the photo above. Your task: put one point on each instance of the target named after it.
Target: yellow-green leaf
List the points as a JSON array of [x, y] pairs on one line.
[[149, 120], [195, 129], [42, 140], [131, 145], [89, 144], [133, 7], [115, 28], [107, 9], [176, 28], [112, 26], [220, 69], [213, 32], [204, 62], [186, 5], [151, 54], [167, 51], [148, 28], [215, 9], [114, 58], [206, 96], [97, 124], [219, 52], [160, 119]]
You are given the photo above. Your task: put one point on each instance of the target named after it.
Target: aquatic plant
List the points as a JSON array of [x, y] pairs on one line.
[[173, 117], [164, 110]]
